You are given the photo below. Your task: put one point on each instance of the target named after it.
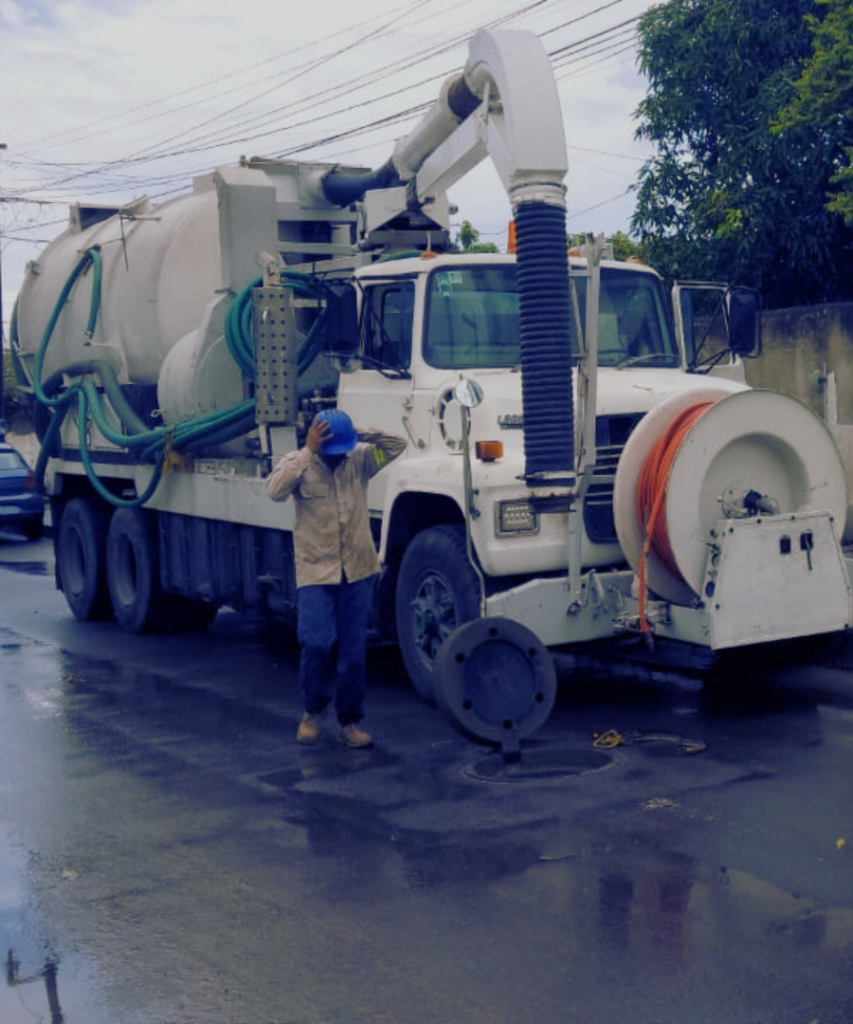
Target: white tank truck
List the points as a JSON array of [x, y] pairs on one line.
[[577, 470]]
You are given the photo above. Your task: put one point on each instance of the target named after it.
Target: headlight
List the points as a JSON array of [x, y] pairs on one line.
[[513, 517]]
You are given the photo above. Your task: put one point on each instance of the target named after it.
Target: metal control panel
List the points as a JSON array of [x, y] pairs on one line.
[[276, 351]]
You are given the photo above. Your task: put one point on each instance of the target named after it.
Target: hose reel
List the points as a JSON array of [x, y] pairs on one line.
[[728, 455]]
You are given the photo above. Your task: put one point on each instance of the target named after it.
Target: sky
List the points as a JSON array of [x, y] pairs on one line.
[[103, 101]]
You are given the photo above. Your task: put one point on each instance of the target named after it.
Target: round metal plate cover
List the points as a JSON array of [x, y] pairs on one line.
[[495, 680]]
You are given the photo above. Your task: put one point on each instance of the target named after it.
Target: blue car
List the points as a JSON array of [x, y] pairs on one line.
[[21, 506]]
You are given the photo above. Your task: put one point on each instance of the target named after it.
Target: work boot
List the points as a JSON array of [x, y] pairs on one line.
[[355, 737], [309, 729]]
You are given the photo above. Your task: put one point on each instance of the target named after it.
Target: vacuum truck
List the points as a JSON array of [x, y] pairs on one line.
[[579, 466]]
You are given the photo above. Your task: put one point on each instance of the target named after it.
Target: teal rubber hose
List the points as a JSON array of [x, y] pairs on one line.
[[102, 490], [131, 433], [91, 257]]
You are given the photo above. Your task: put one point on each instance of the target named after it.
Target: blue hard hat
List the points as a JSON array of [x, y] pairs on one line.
[[343, 437]]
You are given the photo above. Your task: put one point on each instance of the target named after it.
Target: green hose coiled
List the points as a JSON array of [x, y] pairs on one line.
[[130, 432], [238, 322]]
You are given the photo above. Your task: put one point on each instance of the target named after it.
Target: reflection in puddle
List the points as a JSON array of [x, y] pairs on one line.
[[34, 675], [538, 764], [660, 908], [644, 907], [791, 917], [329, 762], [47, 975]]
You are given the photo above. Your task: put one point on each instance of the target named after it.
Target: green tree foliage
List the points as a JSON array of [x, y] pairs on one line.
[[623, 246], [468, 240], [725, 196], [823, 94]]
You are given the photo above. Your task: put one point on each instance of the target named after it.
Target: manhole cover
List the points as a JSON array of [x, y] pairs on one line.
[[538, 764]]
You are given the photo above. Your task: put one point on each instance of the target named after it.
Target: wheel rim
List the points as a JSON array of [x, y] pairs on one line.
[[434, 615]]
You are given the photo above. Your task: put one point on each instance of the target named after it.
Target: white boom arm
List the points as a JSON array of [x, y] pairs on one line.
[[516, 121]]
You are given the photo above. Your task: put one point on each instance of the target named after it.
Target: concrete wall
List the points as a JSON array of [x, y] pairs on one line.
[[808, 352]]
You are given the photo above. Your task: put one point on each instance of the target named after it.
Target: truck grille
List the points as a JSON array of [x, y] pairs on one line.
[[611, 434]]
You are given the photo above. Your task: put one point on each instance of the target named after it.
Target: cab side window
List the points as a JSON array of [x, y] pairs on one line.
[[387, 325]]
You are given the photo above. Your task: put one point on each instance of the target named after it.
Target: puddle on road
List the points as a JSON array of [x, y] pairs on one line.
[[34, 674], [47, 990], [47, 977], [11, 888], [34, 976], [538, 764], [329, 762], [41, 980], [666, 911]]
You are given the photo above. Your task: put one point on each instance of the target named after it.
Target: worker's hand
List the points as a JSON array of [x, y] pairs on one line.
[[317, 434]]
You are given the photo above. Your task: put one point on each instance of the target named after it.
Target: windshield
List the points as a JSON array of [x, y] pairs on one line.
[[634, 326], [472, 318]]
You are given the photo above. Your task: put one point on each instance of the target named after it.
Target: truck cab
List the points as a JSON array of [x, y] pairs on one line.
[[428, 322]]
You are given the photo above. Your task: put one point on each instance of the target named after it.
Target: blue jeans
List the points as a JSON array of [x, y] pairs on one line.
[[330, 615]]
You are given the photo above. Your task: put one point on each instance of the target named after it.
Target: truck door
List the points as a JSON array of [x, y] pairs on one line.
[[719, 326], [378, 394]]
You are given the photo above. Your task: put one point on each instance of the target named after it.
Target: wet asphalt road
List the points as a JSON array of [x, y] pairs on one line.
[[169, 848]]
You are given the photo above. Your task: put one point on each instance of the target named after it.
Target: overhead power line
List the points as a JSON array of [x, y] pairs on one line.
[[232, 128]]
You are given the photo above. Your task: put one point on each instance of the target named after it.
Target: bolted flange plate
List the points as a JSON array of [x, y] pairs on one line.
[[495, 681]]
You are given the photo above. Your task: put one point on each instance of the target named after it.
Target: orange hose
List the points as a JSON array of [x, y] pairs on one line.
[[651, 497]]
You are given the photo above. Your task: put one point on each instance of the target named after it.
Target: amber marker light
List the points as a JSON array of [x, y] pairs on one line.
[[511, 238], [489, 451]]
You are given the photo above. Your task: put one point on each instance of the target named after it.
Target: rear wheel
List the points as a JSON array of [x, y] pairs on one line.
[[132, 571], [80, 554], [437, 590]]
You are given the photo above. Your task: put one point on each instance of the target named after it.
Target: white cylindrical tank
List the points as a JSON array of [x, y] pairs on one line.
[[161, 269]]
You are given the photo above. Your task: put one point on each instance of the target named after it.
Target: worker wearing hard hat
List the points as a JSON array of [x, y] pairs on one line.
[[336, 565]]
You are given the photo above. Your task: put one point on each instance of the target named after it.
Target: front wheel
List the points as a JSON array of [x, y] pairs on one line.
[[437, 590]]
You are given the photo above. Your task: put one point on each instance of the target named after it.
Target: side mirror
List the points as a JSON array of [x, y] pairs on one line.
[[744, 315], [716, 322], [468, 393]]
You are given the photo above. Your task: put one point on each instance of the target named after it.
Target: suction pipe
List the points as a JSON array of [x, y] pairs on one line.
[[526, 141], [508, 84]]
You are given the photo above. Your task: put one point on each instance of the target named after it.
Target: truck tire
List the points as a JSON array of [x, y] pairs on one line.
[[437, 590], [132, 572], [80, 545]]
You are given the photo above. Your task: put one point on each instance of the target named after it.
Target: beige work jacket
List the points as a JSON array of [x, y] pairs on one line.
[[332, 537]]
